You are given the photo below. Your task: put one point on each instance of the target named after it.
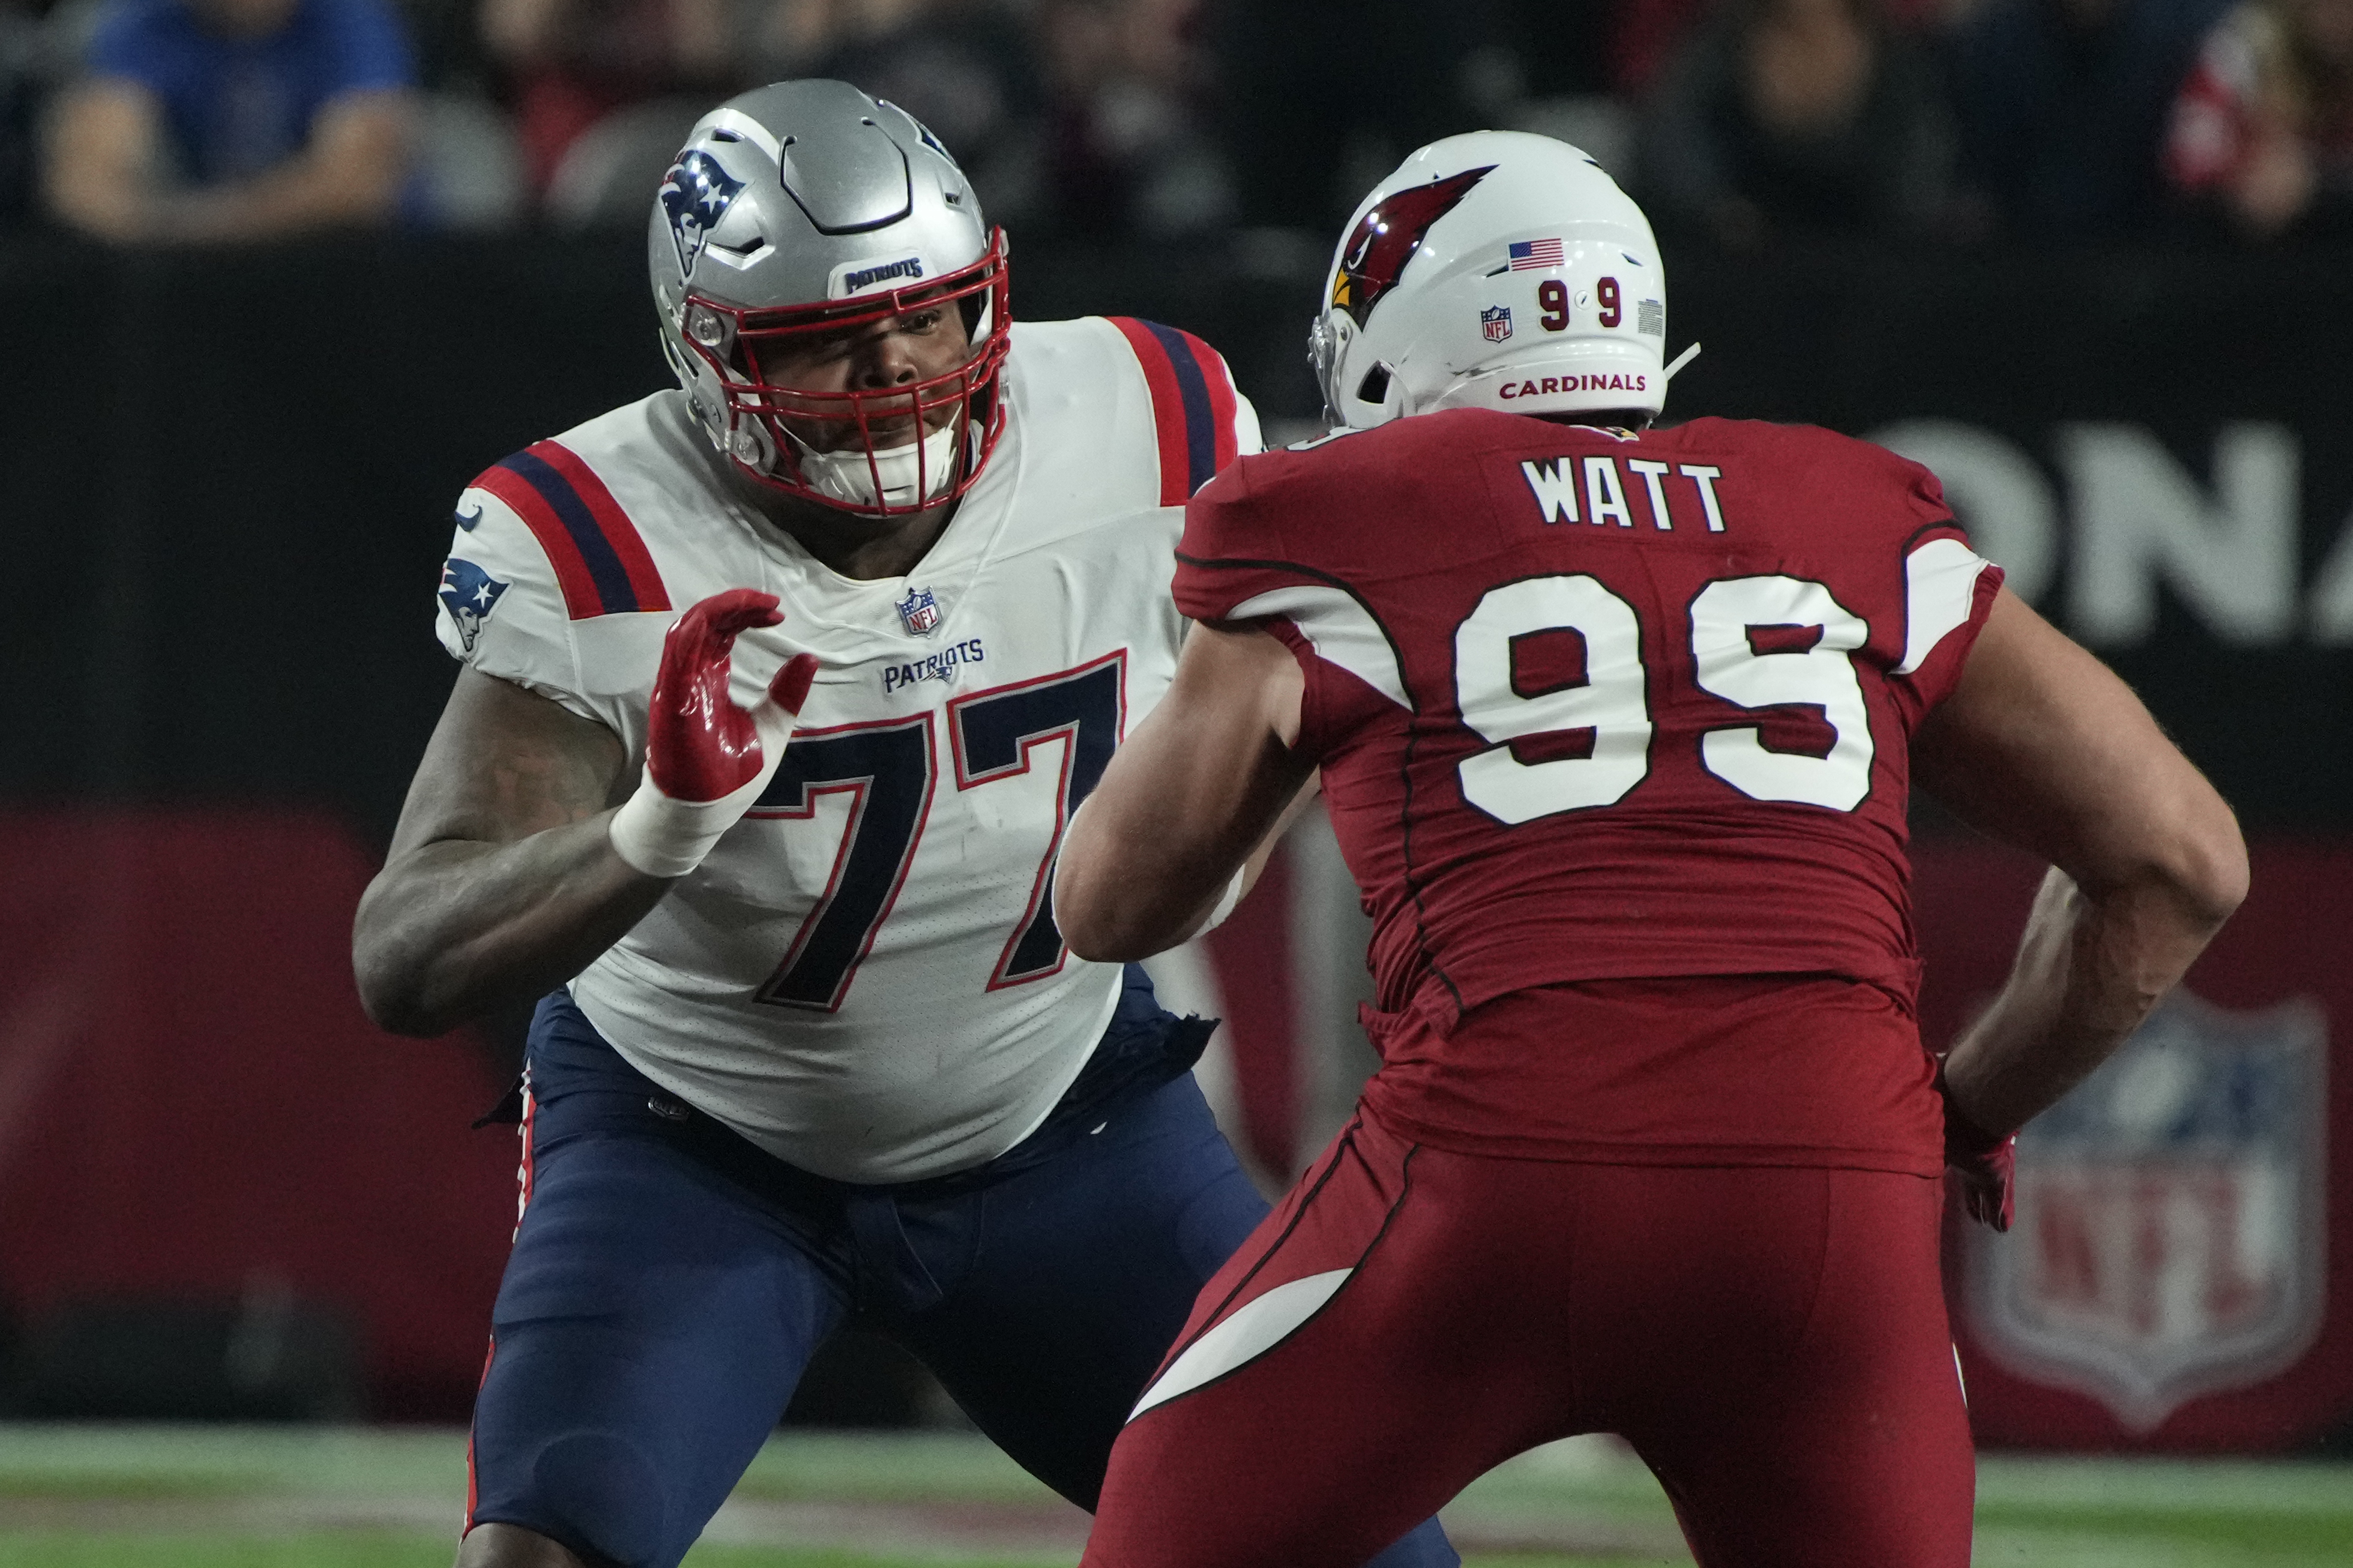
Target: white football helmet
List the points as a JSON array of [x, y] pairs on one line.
[[809, 209], [1496, 269]]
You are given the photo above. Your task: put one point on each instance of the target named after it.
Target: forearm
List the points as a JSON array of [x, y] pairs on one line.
[[98, 169], [2088, 972], [349, 172], [452, 928], [292, 200], [1133, 881], [1212, 911]]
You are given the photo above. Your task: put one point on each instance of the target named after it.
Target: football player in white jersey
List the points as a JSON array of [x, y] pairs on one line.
[[811, 1050]]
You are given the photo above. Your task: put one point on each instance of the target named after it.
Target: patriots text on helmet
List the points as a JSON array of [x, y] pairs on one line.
[[866, 277]]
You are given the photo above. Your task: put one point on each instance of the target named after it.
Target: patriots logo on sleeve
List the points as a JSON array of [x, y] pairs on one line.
[[469, 594], [696, 194]]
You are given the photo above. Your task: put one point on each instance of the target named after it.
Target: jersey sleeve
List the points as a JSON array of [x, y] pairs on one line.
[[1232, 548], [1200, 419], [1233, 565], [501, 608], [1948, 590]]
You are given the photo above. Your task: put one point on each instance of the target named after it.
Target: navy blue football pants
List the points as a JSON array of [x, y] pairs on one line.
[[670, 1280]]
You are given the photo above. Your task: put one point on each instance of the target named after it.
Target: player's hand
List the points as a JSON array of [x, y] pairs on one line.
[[707, 758], [1986, 1165]]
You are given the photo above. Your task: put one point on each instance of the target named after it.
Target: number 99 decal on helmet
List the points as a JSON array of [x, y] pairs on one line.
[[800, 220], [1477, 224]]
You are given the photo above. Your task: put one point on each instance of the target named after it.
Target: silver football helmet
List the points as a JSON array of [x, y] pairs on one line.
[[1494, 269], [808, 208]]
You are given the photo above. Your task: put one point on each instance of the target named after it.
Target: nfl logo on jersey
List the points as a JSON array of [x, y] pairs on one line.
[[919, 611], [1496, 322], [2170, 1215]]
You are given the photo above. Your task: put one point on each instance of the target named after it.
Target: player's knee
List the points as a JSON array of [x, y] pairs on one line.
[[513, 1546], [596, 1491]]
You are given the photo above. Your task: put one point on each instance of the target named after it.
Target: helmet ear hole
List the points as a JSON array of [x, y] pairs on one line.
[[1375, 387]]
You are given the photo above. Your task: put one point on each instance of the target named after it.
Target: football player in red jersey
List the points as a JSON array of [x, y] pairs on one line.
[[1616, 727]]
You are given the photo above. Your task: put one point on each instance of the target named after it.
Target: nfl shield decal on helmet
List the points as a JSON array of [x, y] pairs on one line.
[[2171, 1234], [919, 612], [1495, 320], [696, 194], [469, 594]]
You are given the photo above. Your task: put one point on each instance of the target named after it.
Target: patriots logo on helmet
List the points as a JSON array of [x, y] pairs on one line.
[[696, 194], [469, 594], [1385, 239]]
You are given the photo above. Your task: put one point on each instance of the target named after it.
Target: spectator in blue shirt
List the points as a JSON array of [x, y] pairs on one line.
[[228, 119]]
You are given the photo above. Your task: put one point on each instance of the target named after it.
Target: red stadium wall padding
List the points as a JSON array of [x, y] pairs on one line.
[[192, 1101], [2184, 1281]]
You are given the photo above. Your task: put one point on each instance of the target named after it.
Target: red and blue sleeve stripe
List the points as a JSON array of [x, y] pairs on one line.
[[600, 562], [1193, 404]]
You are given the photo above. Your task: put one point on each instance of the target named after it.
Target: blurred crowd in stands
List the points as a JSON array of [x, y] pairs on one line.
[[1735, 120]]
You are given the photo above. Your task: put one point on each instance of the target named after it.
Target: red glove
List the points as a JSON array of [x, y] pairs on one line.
[[1986, 1165], [707, 760]]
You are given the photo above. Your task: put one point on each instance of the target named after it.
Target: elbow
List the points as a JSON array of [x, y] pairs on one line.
[[393, 1001], [1095, 922], [1091, 928], [392, 985], [1105, 944], [2209, 872], [2196, 863]]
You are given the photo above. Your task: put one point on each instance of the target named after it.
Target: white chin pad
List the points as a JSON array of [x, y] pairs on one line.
[[846, 476]]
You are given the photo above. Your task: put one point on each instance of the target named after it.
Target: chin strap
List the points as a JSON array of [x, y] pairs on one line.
[[1682, 360], [846, 476]]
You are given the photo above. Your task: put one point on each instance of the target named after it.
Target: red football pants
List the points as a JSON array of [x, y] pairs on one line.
[[1771, 1340]]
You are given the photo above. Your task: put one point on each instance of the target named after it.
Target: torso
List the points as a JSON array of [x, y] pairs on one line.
[[864, 976], [1594, 708]]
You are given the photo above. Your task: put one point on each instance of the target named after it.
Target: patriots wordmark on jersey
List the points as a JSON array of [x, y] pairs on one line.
[[1598, 707], [864, 977]]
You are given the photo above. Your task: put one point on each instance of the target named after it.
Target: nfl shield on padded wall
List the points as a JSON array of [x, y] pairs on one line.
[[2171, 1232]]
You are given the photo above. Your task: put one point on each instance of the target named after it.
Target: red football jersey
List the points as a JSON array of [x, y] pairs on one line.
[[1601, 708]]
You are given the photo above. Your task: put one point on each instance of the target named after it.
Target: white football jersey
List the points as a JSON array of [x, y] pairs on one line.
[[864, 977]]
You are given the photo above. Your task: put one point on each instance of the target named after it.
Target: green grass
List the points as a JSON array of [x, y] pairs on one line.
[[360, 1550], [104, 1496], [147, 1462]]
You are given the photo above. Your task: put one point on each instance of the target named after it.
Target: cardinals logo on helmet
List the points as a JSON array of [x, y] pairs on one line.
[[696, 194], [1385, 239]]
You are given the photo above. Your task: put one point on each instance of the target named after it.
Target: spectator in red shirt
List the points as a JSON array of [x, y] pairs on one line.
[[2262, 130], [569, 63]]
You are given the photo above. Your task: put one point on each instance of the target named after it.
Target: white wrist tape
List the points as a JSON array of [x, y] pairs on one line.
[[666, 838]]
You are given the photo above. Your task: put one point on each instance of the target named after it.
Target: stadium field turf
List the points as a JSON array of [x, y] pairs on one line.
[[147, 1497]]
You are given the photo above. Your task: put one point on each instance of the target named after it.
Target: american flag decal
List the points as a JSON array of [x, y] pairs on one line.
[[1532, 253]]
